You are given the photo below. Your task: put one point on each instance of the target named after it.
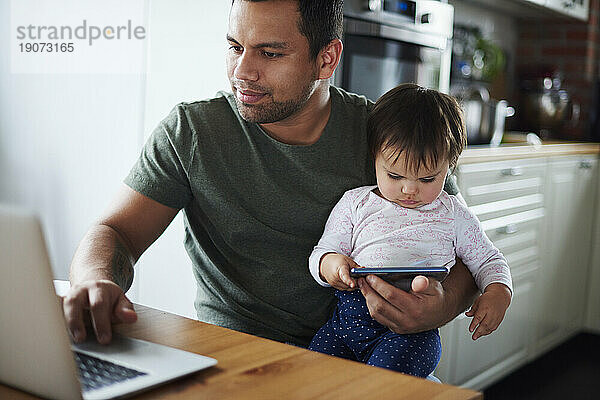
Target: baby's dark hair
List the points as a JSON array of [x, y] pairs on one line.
[[424, 124]]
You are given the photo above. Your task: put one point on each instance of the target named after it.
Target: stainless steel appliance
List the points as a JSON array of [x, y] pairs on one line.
[[484, 116], [547, 107], [387, 42]]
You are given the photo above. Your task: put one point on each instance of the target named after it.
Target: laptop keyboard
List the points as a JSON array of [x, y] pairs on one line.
[[95, 373]]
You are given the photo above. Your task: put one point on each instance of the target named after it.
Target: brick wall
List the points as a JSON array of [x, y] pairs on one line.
[[573, 47]]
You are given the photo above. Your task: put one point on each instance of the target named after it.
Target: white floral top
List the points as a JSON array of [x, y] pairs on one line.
[[376, 232]]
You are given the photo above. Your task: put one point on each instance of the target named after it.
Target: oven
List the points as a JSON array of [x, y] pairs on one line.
[[388, 42]]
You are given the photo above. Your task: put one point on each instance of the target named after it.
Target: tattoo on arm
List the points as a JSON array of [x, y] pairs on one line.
[[122, 268]]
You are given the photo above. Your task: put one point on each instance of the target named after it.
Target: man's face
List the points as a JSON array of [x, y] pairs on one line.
[[268, 64]]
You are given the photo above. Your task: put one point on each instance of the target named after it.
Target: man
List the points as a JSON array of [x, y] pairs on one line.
[[256, 173]]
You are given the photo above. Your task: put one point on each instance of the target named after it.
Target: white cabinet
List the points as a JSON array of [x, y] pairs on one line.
[[539, 2], [477, 364], [539, 213], [570, 203], [508, 198], [531, 8], [592, 320], [575, 8]]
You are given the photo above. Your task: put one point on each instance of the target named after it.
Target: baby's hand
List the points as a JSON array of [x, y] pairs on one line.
[[488, 310], [335, 270]]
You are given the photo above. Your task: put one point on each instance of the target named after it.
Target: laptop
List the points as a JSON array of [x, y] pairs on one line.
[[36, 354]]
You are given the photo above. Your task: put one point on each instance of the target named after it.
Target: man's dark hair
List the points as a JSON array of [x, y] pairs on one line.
[[425, 124], [320, 22]]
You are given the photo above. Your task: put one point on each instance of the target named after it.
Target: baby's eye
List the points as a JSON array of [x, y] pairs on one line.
[[427, 180], [396, 177]]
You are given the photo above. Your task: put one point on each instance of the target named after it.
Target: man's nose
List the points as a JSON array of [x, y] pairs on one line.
[[246, 68]]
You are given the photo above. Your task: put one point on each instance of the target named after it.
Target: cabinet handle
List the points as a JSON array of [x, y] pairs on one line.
[[508, 229], [513, 171], [585, 164]]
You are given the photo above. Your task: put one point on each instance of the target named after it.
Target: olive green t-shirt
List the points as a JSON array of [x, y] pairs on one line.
[[254, 208]]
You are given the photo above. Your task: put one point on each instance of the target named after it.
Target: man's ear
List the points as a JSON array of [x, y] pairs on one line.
[[329, 58]]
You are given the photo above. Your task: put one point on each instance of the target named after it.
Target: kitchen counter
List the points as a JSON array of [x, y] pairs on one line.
[[511, 151]]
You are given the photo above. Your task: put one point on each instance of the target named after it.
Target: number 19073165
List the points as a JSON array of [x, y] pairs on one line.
[[46, 47]]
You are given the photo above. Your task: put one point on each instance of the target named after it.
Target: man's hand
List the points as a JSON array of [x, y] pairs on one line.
[[335, 269], [405, 312], [104, 260], [106, 304], [427, 306], [489, 309]]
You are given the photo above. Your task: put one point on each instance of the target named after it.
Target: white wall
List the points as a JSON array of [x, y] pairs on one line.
[[186, 62], [498, 27], [68, 140], [495, 26]]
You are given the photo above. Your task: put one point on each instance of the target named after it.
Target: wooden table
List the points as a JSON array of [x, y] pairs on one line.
[[250, 367]]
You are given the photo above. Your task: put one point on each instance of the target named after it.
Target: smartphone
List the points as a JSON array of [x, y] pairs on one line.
[[401, 277]]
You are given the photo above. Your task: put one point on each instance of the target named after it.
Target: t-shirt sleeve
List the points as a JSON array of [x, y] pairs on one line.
[[337, 236], [485, 262], [161, 171]]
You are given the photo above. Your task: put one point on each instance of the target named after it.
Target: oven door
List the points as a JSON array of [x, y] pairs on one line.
[[374, 62]]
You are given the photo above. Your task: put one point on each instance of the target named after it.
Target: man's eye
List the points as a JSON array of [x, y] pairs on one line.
[[269, 54], [237, 49]]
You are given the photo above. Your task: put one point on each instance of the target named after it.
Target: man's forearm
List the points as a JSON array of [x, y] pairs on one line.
[[102, 254], [460, 290]]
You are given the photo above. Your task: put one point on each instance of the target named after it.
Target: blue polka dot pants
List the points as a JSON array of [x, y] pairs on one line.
[[353, 334]]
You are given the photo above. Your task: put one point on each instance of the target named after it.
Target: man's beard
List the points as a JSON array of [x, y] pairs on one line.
[[275, 111]]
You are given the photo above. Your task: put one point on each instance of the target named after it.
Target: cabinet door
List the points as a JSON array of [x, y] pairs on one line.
[[593, 299], [552, 294], [478, 363], [569, 205], [577, 279]]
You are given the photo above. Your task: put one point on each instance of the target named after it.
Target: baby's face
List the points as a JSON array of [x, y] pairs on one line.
[[405, 188]]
